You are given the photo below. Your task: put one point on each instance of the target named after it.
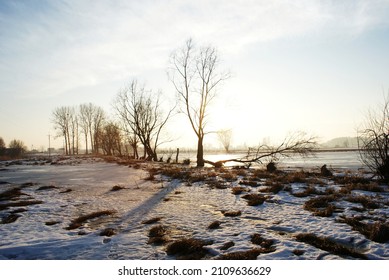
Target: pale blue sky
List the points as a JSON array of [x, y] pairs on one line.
[[307, 65]]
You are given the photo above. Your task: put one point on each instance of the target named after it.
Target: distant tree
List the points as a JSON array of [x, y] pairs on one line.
[[16, 148], [61, 119], [142, 117], [225, 137], [99, 117], [195, 76], [86, 120], [373, 140], [2, 143]]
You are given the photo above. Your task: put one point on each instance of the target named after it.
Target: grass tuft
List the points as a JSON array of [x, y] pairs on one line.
[[214, 225], [76, 223], [378, 232], [227, 245], [11, 218], [326, 244], [188, 248], [321, 206], [108, 232], [152, 221], [45, 188], [254, 199], [231, 213], [117, 188]]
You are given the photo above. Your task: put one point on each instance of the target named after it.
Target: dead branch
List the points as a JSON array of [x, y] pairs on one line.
[[298, 143]]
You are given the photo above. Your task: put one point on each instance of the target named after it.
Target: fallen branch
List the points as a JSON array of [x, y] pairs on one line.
[[297, 143]]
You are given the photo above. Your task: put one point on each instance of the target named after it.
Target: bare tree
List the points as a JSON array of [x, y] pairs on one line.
[[141, 115], [61, 120], [194, 74], [373, 141], [225, 137], [99, 117], [296, 143], [86, 121]]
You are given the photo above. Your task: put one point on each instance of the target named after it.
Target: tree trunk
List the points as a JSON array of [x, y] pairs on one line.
[[200, 152]]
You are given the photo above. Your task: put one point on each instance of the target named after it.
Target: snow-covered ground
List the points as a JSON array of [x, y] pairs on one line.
[[73, 188]]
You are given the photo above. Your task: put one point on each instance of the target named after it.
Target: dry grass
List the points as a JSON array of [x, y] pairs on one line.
[[108, 232], [273, 187], [45, 188], [298, 252], [214, 225], [11, 218], [19, 204], [257, 239], [250, 183], [310, 190], [245, 255], [117, 188], [378, 231], [238, 190], [231, 213], [176, 173], [254, 199], [188, 248], [11, 194], [157, 235], [326, 244], [227, 245], [66, 191], [52, 223], [365, 200], [321, 206], [76, 223], [152, 221]]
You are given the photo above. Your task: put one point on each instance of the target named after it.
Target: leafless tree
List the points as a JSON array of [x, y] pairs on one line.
[[195, 76], [86, 121], [99, 117], [225, 137], [61, 120], [141, 115], [373, 140], [296, 143]]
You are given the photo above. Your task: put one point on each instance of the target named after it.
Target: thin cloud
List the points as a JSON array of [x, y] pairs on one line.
[[68, 44]]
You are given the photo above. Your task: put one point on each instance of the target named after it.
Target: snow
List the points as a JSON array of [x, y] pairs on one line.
[[186, 210]]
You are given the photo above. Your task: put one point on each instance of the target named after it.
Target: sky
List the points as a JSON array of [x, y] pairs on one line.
[[302, 65]]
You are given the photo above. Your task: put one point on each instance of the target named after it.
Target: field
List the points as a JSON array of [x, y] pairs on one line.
[[88, 208]]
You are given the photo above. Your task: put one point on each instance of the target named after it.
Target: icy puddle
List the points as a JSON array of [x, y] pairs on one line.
[[97, 210]]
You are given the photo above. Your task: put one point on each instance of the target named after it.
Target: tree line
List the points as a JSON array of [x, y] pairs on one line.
[[15, 148]]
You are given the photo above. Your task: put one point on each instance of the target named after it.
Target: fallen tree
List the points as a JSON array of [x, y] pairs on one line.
[[297, 143]]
